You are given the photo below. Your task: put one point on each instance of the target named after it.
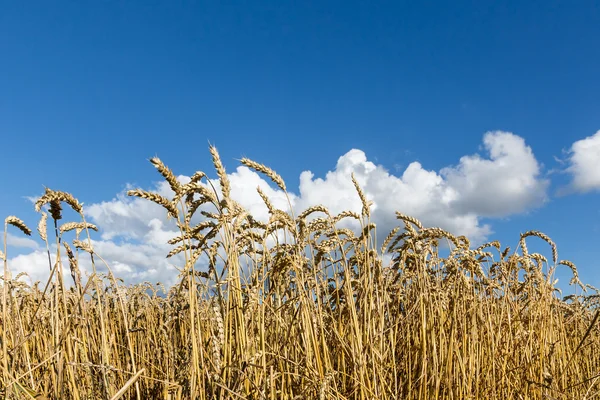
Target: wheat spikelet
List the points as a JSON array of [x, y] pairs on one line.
[[155, 198], [192, 208], [253, 223], [17, 223], [21, 274], [240, 218], [367, 231], [346, 214], [523, 246], [198, 176], [223, 179], [178, 239], [210, 215], [2, 256], [410, 219], [202, 226], [266, 200], [465, 242], [42, 227], [311, 210], [265, 170], [437, 233], [196, 187], [55, 210], [167, 174], [388, 239], [319, 224], [283, 217], [494, 243], [75, 273], [181, 248], [212, 253], [250, 236], [538, 258], [366, 212], [55, 196], [592, 302], [345, 232], [573, 269], [546, 239], [69, 226], [83, 246]]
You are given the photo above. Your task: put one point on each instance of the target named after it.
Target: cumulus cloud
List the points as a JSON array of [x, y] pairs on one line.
[[504, 181], [507, 183], [21, 242], [584, 163], [34, 264]]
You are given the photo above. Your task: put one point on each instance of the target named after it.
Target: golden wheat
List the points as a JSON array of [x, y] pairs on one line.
[[296, 308]]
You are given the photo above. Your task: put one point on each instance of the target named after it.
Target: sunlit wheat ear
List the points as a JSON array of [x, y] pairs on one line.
[[284, 218], [438, 233], [21, 274], [311, 210], [464, 241], [75, 273], [266, 200], [265, 170], [545, 238], [55, 196], [55, 210], [241, 216], [366, 212], [155, 198], [83, 246], [410, 219], [319, 224], [198, 228], [189, 190], [197, 177], [166, 173], [348, 233], [223, 179], [573, 268], [388, 239], [187, 246], [495, 244], [42, 227], [17, 223], [69, 226], [2, 256]]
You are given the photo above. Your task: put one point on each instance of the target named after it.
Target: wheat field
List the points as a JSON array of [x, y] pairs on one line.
[[297, 307]]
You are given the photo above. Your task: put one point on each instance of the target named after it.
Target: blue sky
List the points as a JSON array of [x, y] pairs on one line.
[[91, 90]]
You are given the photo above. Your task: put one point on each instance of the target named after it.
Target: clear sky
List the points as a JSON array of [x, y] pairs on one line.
[[402, 93]]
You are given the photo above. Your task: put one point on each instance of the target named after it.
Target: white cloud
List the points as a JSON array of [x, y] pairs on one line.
[[506, 183], [21, 242], [35, 264], [134, 231], [584, 163]]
